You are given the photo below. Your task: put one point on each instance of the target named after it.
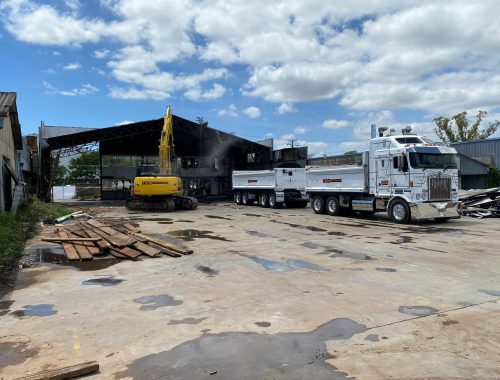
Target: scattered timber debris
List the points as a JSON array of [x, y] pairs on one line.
[[95, 237], [481, 203], [67, 372]]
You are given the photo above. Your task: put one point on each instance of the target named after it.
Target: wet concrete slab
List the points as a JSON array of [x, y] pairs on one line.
[[269, 292]]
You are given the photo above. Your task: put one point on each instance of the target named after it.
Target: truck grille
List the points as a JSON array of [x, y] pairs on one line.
[[439, 189]]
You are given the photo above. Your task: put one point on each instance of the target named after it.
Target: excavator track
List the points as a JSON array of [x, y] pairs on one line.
[[165, 204]]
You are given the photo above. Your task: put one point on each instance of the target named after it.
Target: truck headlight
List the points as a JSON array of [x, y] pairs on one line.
[[454, 195], [418, 196]]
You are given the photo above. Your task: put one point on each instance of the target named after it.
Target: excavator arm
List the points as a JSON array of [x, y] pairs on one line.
[[166, 144]]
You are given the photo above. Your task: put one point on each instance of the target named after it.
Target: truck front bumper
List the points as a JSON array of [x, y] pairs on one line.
[[434, 210]]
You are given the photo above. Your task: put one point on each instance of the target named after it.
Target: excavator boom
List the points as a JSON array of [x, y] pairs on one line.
[[162, 191]]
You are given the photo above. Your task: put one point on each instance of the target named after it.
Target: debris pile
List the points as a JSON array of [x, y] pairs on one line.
[[94, 237], [481, 203]]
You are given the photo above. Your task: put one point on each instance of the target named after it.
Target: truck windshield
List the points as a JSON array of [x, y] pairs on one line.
[[433, 161]]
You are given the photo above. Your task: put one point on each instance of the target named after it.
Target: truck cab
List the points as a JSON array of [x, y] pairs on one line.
[[413, 169]]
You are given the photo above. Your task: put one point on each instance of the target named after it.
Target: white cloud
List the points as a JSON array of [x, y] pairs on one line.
[[195, 94], [301, 130], [101, 54], [285, 108], [368, 55], [231, 110], [252, 112], [335, 124], [84, 89], [56, 53], [72, 66]]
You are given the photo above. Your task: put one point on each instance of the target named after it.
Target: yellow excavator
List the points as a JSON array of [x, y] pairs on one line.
[[161, 191]]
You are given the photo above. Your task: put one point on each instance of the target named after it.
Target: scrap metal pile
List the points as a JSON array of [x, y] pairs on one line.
[[94, 237], [480, 203]]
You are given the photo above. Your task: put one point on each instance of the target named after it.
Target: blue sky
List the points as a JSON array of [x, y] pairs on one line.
[[318, 71]]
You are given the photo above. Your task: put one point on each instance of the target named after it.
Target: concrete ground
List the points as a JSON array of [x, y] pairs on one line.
[[269, 294]]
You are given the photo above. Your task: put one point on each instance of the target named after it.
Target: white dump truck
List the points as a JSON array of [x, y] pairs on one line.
[[404, 174], [271, 188]]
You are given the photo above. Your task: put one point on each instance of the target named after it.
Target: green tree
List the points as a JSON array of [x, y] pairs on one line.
[[351, 153], [86, 166], [60, 173], [458, 128]]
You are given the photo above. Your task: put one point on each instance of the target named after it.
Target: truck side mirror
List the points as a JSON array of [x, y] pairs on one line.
[[402, 164]]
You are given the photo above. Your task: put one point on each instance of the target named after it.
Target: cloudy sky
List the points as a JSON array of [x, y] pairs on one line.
[[316, 71]]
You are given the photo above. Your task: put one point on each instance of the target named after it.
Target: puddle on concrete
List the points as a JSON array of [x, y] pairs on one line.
[[143, 219], [386, 269], [103, 281], [5, 307], [245, 356], [307, 265], [310, 245], [337, 233], [372, 338], [15, 349], [42, 310], [217, 217], [275, 266], [300, 226], [56, 256], [155, 302], [191, 235], [186, 321], [259, 234], [207, 270], [420, 311], [255, 215], [350, 255], [465, 303], [494, 293], [263, 324]]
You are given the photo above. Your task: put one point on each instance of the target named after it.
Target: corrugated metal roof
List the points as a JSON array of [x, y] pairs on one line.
[[480, 148], [8, 105]]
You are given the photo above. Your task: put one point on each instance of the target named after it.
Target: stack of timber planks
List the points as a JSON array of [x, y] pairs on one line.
[[90, 238]]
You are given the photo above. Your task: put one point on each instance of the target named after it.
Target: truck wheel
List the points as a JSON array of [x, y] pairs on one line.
[[237, 198], [272, 201], [333, 206], [263, 200], [399, 211], [244, 199], [318, 204]]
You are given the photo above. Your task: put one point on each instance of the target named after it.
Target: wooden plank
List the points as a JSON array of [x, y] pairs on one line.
[[130, 253], [70, 239], [117, 254], [117, 242], [68, 372], [94, 223], [162, 243], [69, 249], [146, 249], [164, 250], [102, 245], [83, 251], [130, 227]]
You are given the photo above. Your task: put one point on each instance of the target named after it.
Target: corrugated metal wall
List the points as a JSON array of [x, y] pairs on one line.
[[478, 148]]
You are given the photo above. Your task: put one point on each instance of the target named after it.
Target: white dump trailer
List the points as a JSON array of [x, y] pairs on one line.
[[271, 188], [406, 175]]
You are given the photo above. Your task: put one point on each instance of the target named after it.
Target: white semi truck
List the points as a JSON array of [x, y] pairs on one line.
[[271, 188], [404, 174]]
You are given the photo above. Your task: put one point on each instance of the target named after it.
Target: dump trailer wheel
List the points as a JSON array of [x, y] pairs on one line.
[[318, 204], [272, 200], [399, 211], [263, 200], [244, 199], [332, 206], [237, 198]]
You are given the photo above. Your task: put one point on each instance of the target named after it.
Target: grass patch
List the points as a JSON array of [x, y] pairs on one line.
[[15, 229]]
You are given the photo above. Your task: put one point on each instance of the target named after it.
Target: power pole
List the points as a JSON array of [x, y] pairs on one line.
[[291, 143]]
